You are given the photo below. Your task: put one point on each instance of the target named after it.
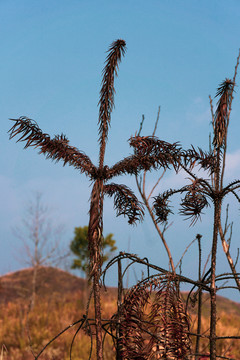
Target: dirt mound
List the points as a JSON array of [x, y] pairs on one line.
[[50, 281]]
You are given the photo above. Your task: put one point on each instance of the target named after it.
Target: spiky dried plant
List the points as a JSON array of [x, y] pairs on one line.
[[153, 322], [224, 92], [200, 192], [58, 148]]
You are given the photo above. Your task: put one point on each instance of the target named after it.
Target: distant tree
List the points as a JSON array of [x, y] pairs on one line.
[[79, 247], [40, 238]]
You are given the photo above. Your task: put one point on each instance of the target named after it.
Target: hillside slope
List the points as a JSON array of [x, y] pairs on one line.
[[50, 282]]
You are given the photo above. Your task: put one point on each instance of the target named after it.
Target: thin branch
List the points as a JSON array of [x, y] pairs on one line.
[[156, 184], [212, 112], [59, 334], [156, 122], [236, 257], [185, 251], [229, 258], [133, 257], [160, 233]]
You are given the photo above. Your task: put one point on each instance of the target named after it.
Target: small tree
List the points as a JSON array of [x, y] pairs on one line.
[[125, 202], [79, 247], [201, 192], [40, 238]]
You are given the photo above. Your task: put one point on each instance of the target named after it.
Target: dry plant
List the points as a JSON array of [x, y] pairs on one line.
[[200, 192], [58, 148], [148, 324], [153, 320]]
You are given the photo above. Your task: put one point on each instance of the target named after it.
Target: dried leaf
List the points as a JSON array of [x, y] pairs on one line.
[[55, 149], [125, 202]]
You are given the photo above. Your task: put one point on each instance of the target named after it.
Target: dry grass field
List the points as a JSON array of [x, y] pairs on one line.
[[61, 300]]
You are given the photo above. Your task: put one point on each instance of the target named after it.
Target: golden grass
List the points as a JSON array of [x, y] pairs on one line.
[[45, 321], [54, 311], [228, 320]]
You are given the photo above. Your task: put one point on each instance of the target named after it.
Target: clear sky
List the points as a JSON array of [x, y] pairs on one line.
[[52, 56]]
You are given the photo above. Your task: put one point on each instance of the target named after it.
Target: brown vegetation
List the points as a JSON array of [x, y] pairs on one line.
[[60, 302]]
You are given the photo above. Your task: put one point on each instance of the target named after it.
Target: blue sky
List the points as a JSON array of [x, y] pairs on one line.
[[52, 56]]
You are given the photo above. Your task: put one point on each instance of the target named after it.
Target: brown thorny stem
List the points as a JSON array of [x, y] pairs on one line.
[[199, 317], [217, 228], [217, 216], [94, 237], [96, 209], [224, 243], [228, 117]]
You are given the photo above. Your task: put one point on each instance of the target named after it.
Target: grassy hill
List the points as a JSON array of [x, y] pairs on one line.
[[61, 300], [50, 281]]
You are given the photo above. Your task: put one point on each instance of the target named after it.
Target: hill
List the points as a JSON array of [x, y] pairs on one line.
[[55, 282], [50, 282]]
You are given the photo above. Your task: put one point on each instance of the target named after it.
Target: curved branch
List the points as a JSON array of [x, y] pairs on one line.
[[55, 149], [132, 165], [135, 258], [206, 160], [164, 153], [232, 186], [59, 334]]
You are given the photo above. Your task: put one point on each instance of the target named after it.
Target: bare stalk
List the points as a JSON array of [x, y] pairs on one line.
[[160, 233], [118, 327], [145, 198], [226, 247], [199, 318], [217, 214]]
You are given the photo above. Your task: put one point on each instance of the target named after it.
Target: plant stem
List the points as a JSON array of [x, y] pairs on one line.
[[94, 235], [199, 318], [217, 208], [97, 304], [118, 328], [229, 258], [146, 202], [217, 214]]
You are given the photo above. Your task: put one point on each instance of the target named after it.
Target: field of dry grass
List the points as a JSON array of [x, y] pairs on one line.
[[227, 325], [61, 301]]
